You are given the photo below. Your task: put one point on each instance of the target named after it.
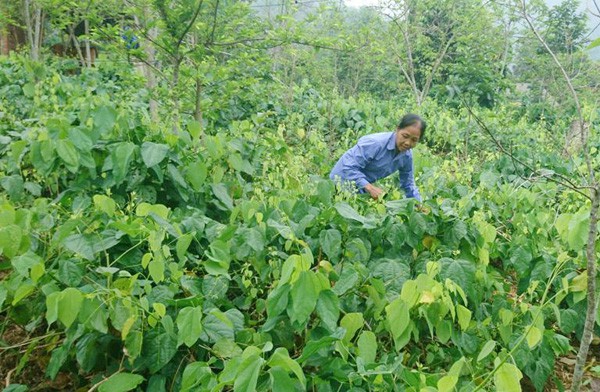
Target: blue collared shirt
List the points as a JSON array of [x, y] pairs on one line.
[[375, 156]]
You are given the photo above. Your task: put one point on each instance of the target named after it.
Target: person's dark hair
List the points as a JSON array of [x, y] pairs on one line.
[[412, 119]]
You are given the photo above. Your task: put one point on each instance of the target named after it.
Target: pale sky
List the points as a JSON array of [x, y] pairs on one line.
[[360, 3]]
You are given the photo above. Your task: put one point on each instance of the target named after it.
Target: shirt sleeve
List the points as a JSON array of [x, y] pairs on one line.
[[356, 159], [407, 180]]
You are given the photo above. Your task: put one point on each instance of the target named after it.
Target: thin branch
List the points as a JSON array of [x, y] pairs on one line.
[[410, 79], [571, 89], [29, 341], [594, 29], [189, 26], [242, 41], [29, 25], [76, 43], [154, 67], [560, 179], [8, 375], [147, 36], [143, 60], [434, 68], [276, 44], [411, 65], [214, 26], [318, 46], [597, 9], [96, 385]]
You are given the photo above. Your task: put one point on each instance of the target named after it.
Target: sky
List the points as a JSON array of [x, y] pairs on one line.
[[360, 3]]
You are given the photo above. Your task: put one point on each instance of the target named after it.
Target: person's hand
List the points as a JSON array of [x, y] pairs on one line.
[[375, 192]]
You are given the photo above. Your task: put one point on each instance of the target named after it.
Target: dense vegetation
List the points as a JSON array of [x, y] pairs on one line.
[[170, 226]]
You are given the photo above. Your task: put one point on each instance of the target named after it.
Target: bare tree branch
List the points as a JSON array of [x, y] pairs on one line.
[[434, 68], [597, 9], [569, 84], [214, 24], [189, 26], [560, 179], [76, 43], [278, 43]]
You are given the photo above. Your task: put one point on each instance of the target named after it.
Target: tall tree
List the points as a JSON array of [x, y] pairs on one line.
[[565, 28], [429, 38], [562, 27]]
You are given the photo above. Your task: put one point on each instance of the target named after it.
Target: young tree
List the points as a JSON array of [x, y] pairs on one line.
[[428, 39], [562, 27], [33, 16], [189, 43], [565, 28]]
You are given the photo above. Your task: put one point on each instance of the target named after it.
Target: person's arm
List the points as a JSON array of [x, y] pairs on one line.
[[356, 159], [407, 180], [374, 191]]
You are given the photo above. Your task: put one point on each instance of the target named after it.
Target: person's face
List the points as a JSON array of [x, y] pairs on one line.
[[408, 137]]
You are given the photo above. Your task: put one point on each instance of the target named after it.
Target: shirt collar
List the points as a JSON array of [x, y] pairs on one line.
[[391, 144]]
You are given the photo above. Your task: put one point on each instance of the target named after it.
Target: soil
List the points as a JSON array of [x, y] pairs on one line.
[[32, 373], [563, 371]]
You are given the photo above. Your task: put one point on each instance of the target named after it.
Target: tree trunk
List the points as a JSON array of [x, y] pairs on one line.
[[336, 78], [507, 46], [88, 51], [75, 42], [198, 108], [33, 24], [434, 69], [592, 305], [290, 94], [410, 72], [174, 95], [150, 62], [37, 37], [356, 81], [28, 25]]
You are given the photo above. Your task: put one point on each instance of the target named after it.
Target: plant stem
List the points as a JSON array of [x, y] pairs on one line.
[[592, 305]]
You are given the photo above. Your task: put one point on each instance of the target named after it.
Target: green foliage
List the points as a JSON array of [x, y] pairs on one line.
[[563, 27], [121, 382], [566, 28], [219, 257]]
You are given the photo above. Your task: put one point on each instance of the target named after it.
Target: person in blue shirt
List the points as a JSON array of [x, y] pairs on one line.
[[378, 155]]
